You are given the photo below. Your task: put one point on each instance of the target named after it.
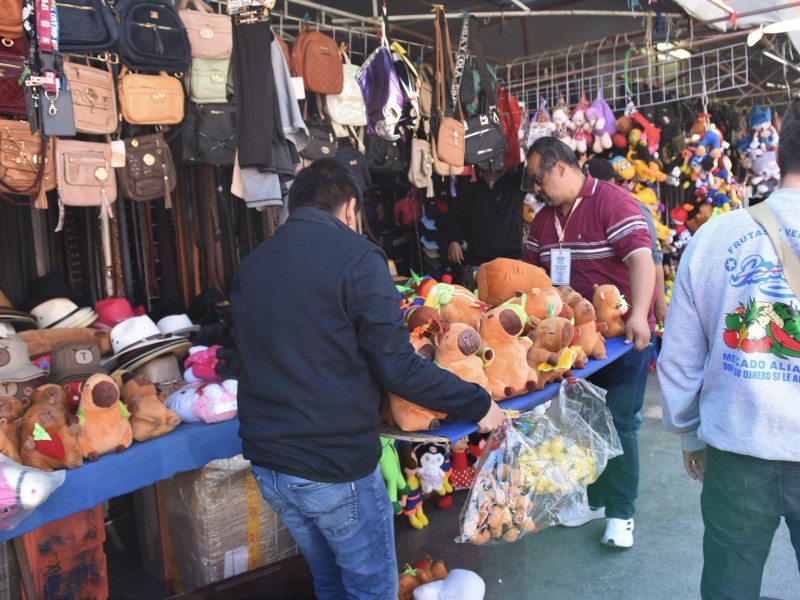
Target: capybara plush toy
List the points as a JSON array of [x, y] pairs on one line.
[[589, 335], [47, 441], [104, 419], [609, 306], [151, 418], [509, 373]]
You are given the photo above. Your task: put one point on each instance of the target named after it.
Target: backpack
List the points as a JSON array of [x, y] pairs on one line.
[[315, 58], [86, 26], [348, 107], [152, 36]]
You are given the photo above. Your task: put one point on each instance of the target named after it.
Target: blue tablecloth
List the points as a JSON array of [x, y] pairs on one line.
[[189, 446]]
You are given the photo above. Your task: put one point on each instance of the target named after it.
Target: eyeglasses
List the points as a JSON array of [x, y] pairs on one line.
[[537, 177]]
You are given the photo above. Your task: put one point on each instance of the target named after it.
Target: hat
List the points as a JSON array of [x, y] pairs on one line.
[[111, 312], [6, 329], [177, 325], [164, 370], [7, 312], [429, 244], [177, 346], [600, 168], [60, 313], [47, 287], [133, 336], [428, 223], [72, 361], [15, 364], [431, 253]]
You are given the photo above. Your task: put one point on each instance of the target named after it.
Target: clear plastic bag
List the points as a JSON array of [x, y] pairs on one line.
[[534, 467], [22, 489]]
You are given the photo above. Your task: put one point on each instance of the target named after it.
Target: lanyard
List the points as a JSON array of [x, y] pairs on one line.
[[560, 231], [47, 36]]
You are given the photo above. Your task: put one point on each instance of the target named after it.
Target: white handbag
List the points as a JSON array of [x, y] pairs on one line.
[[348, 107]]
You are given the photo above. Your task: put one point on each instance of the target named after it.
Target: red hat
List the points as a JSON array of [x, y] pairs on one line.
[[112, 311]]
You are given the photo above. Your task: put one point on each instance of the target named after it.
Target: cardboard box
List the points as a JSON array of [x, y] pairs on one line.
[[219, 524]]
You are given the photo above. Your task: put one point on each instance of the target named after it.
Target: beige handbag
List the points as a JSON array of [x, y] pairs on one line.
[[427, 79], [210, 34], [442, 168], [85, 176], [93, 97], [450, 133], [150, 99], [420, 167]]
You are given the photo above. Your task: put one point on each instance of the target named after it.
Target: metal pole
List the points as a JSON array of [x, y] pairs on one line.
[[514, 13]]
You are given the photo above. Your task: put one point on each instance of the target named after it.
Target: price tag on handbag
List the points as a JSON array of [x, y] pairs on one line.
[[117, 154], [560, 266]]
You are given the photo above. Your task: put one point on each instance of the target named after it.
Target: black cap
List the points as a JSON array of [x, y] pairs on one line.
[[599, 168]]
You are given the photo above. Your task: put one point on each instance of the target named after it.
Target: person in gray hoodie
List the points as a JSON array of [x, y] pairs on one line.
[[730, 376]]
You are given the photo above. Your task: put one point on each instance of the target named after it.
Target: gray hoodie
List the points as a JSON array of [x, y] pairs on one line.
[[730, 364]]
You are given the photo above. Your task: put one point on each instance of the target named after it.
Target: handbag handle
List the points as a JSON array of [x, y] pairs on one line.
[[456, 102], [762, 215], [199, 5], [489, 92]]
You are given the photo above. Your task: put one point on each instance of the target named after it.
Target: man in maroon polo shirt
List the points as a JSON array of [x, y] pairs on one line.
[[591, 232]]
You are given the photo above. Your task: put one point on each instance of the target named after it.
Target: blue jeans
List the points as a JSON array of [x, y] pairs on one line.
[[743, 500], [625, 380], [344, 530]]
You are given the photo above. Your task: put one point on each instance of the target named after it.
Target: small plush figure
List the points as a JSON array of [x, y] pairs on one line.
[[49, 391], [22, 490], [151, 418], [456, 304], [47, 441], [589, 338], [420, 573], [209, 402], [103, 418], [431, 457], [500, 280], [425, 318], [459, 583], [569, 295], [459, 351], [463, 472], [551, 339], [9, 439], [609, 306], [201, 364], [396, 484], [413, 508], [509, 373], [540, 303]]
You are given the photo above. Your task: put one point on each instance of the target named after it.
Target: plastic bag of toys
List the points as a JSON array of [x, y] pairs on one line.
[[22, 490], [534, 467]]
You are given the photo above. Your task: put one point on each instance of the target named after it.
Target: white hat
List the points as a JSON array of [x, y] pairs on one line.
[[177, 325], [6, 329], [15, 364], [59, 313], [131, 336]]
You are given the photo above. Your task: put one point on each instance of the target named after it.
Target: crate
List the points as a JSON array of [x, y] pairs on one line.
[[68, 535]]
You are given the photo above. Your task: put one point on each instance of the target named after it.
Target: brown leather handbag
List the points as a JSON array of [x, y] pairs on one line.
[[149, 171], [449, 132], [210, 34], [10, 19], [85, 176], [94, 98], [150, 99], [26, 162]]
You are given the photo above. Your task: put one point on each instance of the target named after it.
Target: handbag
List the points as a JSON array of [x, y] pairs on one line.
[[321, 140], [408, 209], [386, 156], [149, 172], [442, 168], [12, 94], [152, 36], [315, 58], [10, 19], [208, 79], [209, 135], [94, 98], [57, 113], [348, 107], [85, 175], [426, 89], [150, 99], [448, 132], [763, 215], [420, 168], [86, 26], [22, 170], [210, 34]]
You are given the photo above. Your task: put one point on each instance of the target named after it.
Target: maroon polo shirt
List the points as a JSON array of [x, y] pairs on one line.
[[605, 229]]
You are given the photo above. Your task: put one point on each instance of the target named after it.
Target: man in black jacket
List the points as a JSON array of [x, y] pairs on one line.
[[320, 335]]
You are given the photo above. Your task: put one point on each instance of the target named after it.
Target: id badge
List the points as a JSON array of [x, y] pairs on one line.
[[560, 266]]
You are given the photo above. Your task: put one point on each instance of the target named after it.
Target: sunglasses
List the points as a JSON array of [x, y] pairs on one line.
[[537, 177]]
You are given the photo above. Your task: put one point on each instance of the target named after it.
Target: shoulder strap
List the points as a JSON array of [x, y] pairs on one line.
[[762, 215], [449, 51], [489, 91]]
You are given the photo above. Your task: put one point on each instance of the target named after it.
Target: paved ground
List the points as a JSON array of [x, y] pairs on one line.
[[664, 564]]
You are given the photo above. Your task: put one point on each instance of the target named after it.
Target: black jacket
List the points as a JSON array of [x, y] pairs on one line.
[[319, 331], [488, 220]]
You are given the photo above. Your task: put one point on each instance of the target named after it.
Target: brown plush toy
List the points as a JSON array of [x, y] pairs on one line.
[[459, 351], [104, 419], [540, 303], [425, 571], [569, 295], [47, 442], [49, 391], [551, 343], [589, 338], [425, 319], [500, 279], [457, 304], [9, 439], [509, 373], [609, 306], [150, 418], [44, 341], [21, 390]]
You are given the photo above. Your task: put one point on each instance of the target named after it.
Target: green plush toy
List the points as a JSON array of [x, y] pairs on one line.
[[393, 476]]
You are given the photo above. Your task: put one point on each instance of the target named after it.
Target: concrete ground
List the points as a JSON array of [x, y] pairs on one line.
[[665, 562]]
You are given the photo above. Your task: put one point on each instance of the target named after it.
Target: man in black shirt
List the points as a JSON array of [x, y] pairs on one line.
[[320, 335]]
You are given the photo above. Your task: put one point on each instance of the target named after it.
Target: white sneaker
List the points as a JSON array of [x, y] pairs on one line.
[[619, 533], [573, 516]]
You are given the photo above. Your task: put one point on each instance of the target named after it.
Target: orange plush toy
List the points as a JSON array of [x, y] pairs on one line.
[[456, 304], [551, 353], [609, 306], [47, 441], [540, 303], [589, 337], [151, 418], [459, 351], [500, 279], [509, 373], [104, 420], [11, 409]]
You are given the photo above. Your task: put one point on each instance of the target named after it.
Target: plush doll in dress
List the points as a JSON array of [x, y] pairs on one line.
[[581, 132], [550, 354], [103, 418], [151, 418], [209, 402], [562, 127], [456, 304], [413, 508], [500, 279], [589, 330], [459, 351], [431, 457], [396, 484], [47, 441], [509, 373], [609, 306], [463, 471]]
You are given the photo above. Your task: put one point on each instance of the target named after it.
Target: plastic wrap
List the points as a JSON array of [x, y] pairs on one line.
[[536, 466], [22, 489], [220, 525]]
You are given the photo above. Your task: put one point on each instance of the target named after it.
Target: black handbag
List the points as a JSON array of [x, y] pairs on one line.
[[86, 26], [321, 142], [152, 36], [208, 136], [386, 156], [57, 114]]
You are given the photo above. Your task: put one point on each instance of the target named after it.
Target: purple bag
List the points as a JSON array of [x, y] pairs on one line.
[[383, 93]]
